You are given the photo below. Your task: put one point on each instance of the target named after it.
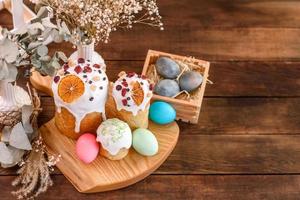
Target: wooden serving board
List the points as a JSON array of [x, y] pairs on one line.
[[103, 174]]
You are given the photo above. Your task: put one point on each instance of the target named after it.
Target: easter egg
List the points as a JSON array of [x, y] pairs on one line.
[[144, 142], [87, 148], [167, 67], [190, 81], [167, 87], [162, 113]]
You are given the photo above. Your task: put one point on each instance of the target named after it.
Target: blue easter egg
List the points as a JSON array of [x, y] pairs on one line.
[[162, 113]]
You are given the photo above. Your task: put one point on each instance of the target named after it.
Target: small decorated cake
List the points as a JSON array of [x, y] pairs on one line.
[[131, 94], [115, 138], [80, 92]]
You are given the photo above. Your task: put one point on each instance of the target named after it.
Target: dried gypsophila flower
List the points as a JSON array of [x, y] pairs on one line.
[[94, 20]]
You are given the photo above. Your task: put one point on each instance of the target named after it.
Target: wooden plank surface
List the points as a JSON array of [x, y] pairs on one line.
[[181, 187], [247, 143], [232, 116], [191, 33], [234, 154], [235, 79], [206, 43]]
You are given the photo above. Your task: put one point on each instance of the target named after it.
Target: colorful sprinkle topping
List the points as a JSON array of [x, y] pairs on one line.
[[96, 66], [125, 84], [118, 87], [124, 91], [56, 79], [78, 69], [130, 74], [124, 102], [151, 86], [87, 69], [66, 67], [96, 78], [81, 60]]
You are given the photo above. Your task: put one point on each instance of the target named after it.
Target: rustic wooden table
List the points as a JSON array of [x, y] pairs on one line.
[[247, 143]]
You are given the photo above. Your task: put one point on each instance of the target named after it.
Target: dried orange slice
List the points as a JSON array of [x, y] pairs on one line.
[[70, 88], [137, 93]]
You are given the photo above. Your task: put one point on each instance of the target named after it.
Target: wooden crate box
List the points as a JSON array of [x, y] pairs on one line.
[[188, 110]]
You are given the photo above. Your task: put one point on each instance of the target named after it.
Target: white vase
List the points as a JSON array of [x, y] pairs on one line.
[[7, 99], [88, 53]]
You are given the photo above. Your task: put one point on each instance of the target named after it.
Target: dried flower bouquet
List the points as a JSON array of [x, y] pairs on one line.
[[95, 19]]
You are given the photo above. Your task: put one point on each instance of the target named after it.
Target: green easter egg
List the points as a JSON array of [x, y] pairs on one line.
[[144, 142]]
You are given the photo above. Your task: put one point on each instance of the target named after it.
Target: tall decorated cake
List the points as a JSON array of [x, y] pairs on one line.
[[131, 95], [80, 92]]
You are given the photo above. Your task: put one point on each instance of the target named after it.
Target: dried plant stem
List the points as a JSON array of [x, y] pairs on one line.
[[34, 174]]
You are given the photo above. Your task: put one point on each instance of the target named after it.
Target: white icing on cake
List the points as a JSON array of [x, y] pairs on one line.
[[114, 134], [95, 89], [126, 101]]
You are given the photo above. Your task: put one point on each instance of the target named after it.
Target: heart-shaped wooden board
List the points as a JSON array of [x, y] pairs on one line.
[[103, 174]]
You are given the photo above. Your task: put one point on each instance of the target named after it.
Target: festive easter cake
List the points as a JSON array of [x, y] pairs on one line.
[[115, 138], [131, 95], [80, 92]]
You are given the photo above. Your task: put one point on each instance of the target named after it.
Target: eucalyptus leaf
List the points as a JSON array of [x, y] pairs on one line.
[[54, 63], [56, 36], [28, 45], [46, 34], [23, 62], [8, 50], [18, 138], [17, 154], [65, 28], [22, 30], [3, 70], [13, 155], [33, 32], [8, 71], [43, 12], [5, 154], [36, 63], [34, 45], [12, 72], [21, 96], [37, 26], [62, 56], [45, 58], [4, 33], [42, 50], [47, 23], [48, 69]]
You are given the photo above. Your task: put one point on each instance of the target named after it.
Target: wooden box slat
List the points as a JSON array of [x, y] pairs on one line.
[[187, 111]]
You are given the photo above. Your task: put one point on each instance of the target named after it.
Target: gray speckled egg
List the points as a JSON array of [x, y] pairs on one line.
[[190, 81], [167, 88], [167, 67]]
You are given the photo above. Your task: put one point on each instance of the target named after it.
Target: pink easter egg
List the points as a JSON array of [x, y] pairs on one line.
[[87, 148]]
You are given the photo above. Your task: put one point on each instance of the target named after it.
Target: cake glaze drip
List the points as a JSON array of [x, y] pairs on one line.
[[95, 92], [124, 92]]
